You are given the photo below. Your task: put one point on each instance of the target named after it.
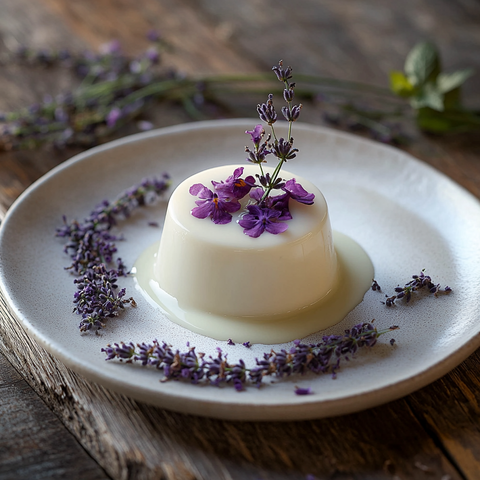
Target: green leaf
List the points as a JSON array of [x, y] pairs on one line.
[[447, 122], [451, 99], [422, 64], [428, 96], [400, 85], [449, 81]]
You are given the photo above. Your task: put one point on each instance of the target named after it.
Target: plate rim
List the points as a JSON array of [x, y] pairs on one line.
[[304, 409]]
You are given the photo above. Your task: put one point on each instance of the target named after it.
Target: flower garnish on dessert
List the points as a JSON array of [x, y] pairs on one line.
[[264, 210]]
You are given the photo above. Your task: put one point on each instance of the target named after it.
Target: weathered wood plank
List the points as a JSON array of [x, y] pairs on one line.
[[350, 40], [456, 425], [34, 444]]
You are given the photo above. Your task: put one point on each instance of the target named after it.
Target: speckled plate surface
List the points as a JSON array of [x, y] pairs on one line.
[[406, 216]]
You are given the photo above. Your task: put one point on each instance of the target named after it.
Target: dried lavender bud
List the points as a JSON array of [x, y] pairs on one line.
[[266, 111], [284, 150], [375, 286], [291, 114], [91, 242], [288, 93], [91, 247], [282, 74], [303, 391], [322, 357], [418, 282], [259, 155]]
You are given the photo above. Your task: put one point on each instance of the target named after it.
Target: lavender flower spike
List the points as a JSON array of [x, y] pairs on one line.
[[212, 205]]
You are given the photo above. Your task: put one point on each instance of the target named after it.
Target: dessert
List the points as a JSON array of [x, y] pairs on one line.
[[219, 269]]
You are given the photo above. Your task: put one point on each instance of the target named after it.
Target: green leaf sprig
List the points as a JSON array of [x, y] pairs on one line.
[[433, 94]]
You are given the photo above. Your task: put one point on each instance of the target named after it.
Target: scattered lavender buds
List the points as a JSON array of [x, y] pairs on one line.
[[418, 282], [113, 90], [323, 357], [91, 247], [375, 286], [264, 213], [96, 297]]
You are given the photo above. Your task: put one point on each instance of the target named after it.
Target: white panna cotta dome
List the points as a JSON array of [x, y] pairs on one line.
[[219, 269]]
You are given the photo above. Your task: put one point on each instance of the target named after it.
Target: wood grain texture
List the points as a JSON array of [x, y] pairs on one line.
[[33, 443], [434, 433]]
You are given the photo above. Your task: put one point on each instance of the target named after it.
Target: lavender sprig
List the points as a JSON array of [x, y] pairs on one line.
[[418, 282], [91, 247], [322, 357], [280, 147]]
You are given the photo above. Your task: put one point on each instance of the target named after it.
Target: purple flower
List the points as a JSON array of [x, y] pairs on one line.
[[212, 205], [280, 203], [234, 186], [258, 219], [298, 193], [256, 134]]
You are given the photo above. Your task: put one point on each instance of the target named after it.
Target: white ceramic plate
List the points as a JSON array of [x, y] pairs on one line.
[[405, 215]]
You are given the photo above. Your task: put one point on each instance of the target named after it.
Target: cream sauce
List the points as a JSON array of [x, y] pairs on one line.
[[354, 277]]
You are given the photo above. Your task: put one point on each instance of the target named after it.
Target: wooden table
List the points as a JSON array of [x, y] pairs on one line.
[[56, 424]]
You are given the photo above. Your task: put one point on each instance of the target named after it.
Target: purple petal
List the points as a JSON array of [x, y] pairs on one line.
[[237, 172], [231, 207], [255, 231], [280, 202], [256, 194], [256, 133], [221, 217], [203, 210], [298, 193], [196, 189], [276, 227]]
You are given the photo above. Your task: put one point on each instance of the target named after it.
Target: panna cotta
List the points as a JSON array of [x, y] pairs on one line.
[[219, 269], [215, 280]]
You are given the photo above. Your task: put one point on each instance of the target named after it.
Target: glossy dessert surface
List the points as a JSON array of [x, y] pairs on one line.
[[218, 269]]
